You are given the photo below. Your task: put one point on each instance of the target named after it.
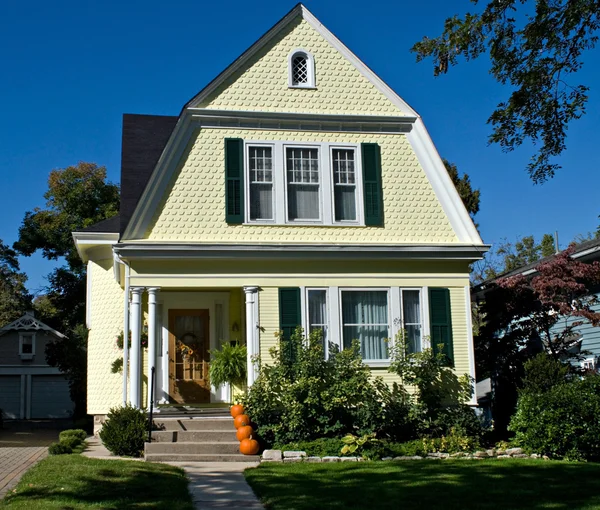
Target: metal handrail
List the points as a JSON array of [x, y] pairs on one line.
[[152, 382]]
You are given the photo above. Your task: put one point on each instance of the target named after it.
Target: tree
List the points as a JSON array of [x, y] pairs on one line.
[[526, 315], [77, 197], [468, 195], [534, 47], [14, 298]]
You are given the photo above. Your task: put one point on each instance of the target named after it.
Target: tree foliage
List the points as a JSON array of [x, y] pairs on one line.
[[534, 47], [469, 196], [14, 298], [77, 197]]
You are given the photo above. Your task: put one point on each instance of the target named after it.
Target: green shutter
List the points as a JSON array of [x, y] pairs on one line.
[[372, 187], [441, 321], [289, 319], [234, 180]]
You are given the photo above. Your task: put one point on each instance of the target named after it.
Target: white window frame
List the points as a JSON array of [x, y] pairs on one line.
[[402, 321], [247, 148], [589, 363], [310, 69], [26, 355], [326, 191], [320, 158], [306, 315]]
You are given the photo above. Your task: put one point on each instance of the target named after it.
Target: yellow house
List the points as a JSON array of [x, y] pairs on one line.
[[296, 188]]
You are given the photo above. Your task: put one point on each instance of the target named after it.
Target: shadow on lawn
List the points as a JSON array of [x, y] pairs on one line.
[[429, 485], [114, 488]]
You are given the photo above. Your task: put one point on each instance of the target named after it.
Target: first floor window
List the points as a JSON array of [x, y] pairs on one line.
[[302, 169], [411, 318], [27, 344], [317, 312], [344, 184], [261, 183], [365, 318]]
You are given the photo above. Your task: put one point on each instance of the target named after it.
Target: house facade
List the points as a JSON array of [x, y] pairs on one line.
[[295, 189], [30, 388]]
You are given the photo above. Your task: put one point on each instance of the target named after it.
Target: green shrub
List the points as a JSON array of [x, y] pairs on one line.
[[301, 396], [71, 442], [79, 433], [124, 431], [60, 449], [561, 422], [458, 420], [542, 373]]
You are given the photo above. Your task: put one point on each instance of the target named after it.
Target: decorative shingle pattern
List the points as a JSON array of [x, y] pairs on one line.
[[262, 84], [104, 387], [193, 209]]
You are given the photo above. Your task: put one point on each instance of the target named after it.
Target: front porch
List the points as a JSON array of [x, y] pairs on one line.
[[182, 327]]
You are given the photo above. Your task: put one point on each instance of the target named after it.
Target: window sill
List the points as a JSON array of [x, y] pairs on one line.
[[306, 87], [377, 363], [26, 357], [267, 223]]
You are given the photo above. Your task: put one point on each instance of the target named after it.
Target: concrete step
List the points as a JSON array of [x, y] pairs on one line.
[[193, 436], [185, 424], [170, 457], [227, 448]]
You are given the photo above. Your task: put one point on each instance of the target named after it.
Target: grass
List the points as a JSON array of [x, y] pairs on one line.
[[509, 484], [75, 482]]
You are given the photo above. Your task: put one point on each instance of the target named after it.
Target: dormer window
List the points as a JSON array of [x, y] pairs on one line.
[[26, 345], [301, 70]]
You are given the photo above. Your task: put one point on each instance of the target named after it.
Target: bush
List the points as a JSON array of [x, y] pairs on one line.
[[60, 449], [542, 373], [322, 447], [124, 431], [302, 397], [71, 442], [562, 422], [458, 420], [78, 433]]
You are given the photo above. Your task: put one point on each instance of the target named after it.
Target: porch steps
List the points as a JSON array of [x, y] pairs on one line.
[[195, 439]]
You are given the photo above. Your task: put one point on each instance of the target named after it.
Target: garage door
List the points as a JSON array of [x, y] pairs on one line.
[[50, 397], [10, 396]]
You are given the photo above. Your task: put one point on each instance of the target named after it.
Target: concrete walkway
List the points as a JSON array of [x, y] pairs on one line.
[[96, 450], [219, 484]]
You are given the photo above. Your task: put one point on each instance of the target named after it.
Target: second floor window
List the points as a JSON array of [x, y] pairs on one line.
[[302, 169], [260, 166]]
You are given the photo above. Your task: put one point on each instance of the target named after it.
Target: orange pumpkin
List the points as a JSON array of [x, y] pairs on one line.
[[244, 432], [241, 420], [236, 410], [249, 447]]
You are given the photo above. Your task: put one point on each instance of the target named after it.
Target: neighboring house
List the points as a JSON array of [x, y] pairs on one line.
[[295, 189], [587, 336], [30, 388]]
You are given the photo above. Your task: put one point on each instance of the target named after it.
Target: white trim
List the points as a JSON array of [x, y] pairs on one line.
[[136, 350], [426, 336], [470, 344], [28, 398], [88, 296], [84, 240], [310, 69], [22, 335], [151, 361], [252, 331], [335, 317], [22, 395]]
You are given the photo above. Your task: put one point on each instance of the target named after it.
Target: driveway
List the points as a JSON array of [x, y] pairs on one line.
[[21, 448]]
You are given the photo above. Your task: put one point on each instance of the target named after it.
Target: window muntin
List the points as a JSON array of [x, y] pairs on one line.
[[317, 313], [344, 184], [27, 343], [411, 318], [299, 69], [303, 183], [260, 168], [365, 318]]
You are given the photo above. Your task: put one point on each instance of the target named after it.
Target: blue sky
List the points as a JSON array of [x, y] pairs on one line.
[[70, 69]]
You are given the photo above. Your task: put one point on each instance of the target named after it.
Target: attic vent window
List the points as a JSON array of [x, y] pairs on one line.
[[301, 70]]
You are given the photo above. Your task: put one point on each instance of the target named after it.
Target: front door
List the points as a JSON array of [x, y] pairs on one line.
[[189, 341]]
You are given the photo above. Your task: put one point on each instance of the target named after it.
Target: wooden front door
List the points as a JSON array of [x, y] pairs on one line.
[[189, 341]]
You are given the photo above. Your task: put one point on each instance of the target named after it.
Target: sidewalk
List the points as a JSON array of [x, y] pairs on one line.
[[219, 484], [96, 450], [14, 462]]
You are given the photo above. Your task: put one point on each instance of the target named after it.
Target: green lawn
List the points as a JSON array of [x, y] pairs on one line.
[[504, 484], [75, 482]]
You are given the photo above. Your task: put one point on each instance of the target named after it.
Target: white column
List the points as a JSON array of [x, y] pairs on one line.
[[152, 326], [470, 343], [126, 330], [251, 330], [135, 373]]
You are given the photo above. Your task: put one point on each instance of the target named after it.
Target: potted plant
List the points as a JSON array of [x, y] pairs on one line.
[[228, 365]]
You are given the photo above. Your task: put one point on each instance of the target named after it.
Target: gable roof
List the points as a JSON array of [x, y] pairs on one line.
[[109, 225], [29, 323]]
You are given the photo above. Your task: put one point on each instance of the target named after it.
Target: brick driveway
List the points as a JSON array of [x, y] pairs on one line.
[[19, 450]]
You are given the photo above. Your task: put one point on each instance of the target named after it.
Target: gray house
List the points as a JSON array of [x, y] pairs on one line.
[[29, 387]]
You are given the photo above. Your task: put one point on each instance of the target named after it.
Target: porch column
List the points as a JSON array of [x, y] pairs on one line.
[[135, 373], [152, 325], [251, 331]]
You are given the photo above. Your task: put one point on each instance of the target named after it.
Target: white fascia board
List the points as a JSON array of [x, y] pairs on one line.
[[88, 239], [442, 185]]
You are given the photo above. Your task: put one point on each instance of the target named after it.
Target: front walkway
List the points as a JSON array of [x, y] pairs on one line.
[[219, 485]]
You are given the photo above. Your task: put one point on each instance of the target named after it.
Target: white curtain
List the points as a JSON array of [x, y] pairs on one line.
[[345, 203], [365, 318], [261, 201], [303, 202], [412, 319], [317, 312]]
